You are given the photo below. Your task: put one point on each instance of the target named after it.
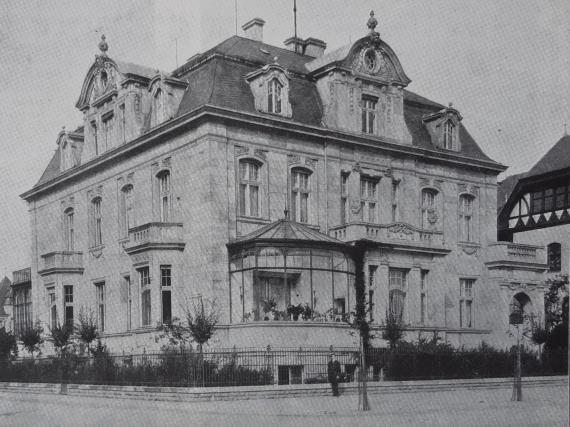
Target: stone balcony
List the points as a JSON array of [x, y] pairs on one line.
[[58, 262], [399, 236], [21, 277], [516, 256], [155, 235]]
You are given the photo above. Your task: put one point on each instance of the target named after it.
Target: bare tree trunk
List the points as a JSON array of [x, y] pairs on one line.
[[363, 404], [517, 383]]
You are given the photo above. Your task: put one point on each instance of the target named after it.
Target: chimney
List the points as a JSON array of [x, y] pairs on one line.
[[293, 42], [254, 29], [315, 47]]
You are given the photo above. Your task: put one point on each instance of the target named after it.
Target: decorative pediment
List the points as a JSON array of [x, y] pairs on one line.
[[443, 127], [101, 80]]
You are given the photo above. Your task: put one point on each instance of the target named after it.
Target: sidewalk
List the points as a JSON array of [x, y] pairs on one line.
[[542, 405], [273, 391]]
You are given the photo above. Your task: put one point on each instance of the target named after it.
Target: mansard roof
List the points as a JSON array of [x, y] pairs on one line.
[[218, 78]]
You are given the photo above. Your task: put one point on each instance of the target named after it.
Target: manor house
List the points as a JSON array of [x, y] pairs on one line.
[[246, 177]]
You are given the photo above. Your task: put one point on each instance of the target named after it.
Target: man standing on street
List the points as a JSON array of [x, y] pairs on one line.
[[334, 373]]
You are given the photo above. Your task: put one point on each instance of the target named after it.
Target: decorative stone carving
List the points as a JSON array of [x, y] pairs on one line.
[[424, 182], [474, 190], [438, 183], [355, 207], [293, 159], [462, 188], [241, 150], [357, 167], [310, 162], [166, 163], [400, 231], [262, 154]]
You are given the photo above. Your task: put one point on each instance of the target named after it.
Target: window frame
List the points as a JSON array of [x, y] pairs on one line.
[[300, 194], [166, 289], [466, 217], [554, 256], [69, 228], [164, 192], [101, 303], [275, 96], [369, 118], [246, 184], [424, 283], [448, 135], [96, 222], [466, 305], [146, 296], [127, 209], [397, 291], [344, 212], [368, 199]]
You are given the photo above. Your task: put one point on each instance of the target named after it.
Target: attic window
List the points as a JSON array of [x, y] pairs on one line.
[[274, 89], [448, 135]]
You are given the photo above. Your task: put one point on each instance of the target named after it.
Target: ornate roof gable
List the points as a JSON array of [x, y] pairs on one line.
[[369, 57]]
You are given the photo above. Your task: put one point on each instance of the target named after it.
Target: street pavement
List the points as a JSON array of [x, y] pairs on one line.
[[541, 406]]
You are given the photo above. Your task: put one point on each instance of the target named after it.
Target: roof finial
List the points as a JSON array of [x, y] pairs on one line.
[[372, 22], [103, 46], [450, 104]]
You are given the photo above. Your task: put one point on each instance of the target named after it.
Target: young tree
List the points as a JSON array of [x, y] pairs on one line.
[[8, 344], [86, 328], [32, 338], [60, 336], [392, 329], [556, 313]]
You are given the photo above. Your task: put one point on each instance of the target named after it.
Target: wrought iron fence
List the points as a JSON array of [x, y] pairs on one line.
[[247, 367]]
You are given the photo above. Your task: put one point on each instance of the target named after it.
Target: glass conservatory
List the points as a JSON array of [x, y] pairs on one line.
[[288, 271]]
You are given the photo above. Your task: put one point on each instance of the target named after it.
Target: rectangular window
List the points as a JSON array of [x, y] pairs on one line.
[[129, 292], [52, 303], [560, 197], [249, 188], [96, 223], [371, 281], [144, 278], [164, 196], [108, 124], [300, 195], [68, 306], [397, 292], [166, 289], [69, 229], [22, 303], [465, 218], [548, 199], [368, 200], [395, 191], [343, 198], [537, 202], [123, 122], [95, 137], [423, 296], [466, 303], [368, 114], [100, 300]]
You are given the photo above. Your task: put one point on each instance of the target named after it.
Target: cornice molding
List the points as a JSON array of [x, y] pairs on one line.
[[273, 123]]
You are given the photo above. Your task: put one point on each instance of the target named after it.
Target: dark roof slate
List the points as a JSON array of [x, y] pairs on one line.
[[557, 158], [217, 78]]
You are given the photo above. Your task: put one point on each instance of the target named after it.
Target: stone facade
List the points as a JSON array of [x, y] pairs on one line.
[[168, 171]]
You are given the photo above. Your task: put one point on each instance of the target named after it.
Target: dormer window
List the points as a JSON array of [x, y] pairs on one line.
[[448, 135], [270, 89], [158, 108], [368, 114], [274, 89], [104, 80]]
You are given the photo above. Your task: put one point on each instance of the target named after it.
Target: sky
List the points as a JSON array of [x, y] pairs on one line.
[[504, 65]]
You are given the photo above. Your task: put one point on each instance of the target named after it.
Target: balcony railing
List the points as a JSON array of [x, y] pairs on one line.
[[507, 254], [22, 276], [62, 262], [399, 234], [155, 235]]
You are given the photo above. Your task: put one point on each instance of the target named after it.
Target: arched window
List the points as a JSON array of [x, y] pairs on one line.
[[466, 232], [249, 188], [368, 199], [127, 210], [448, 135], [554, 256], [520, 310], [300, 194], [164, 196], [429, 210], [96, 222], [274, 89], [68, 227]]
